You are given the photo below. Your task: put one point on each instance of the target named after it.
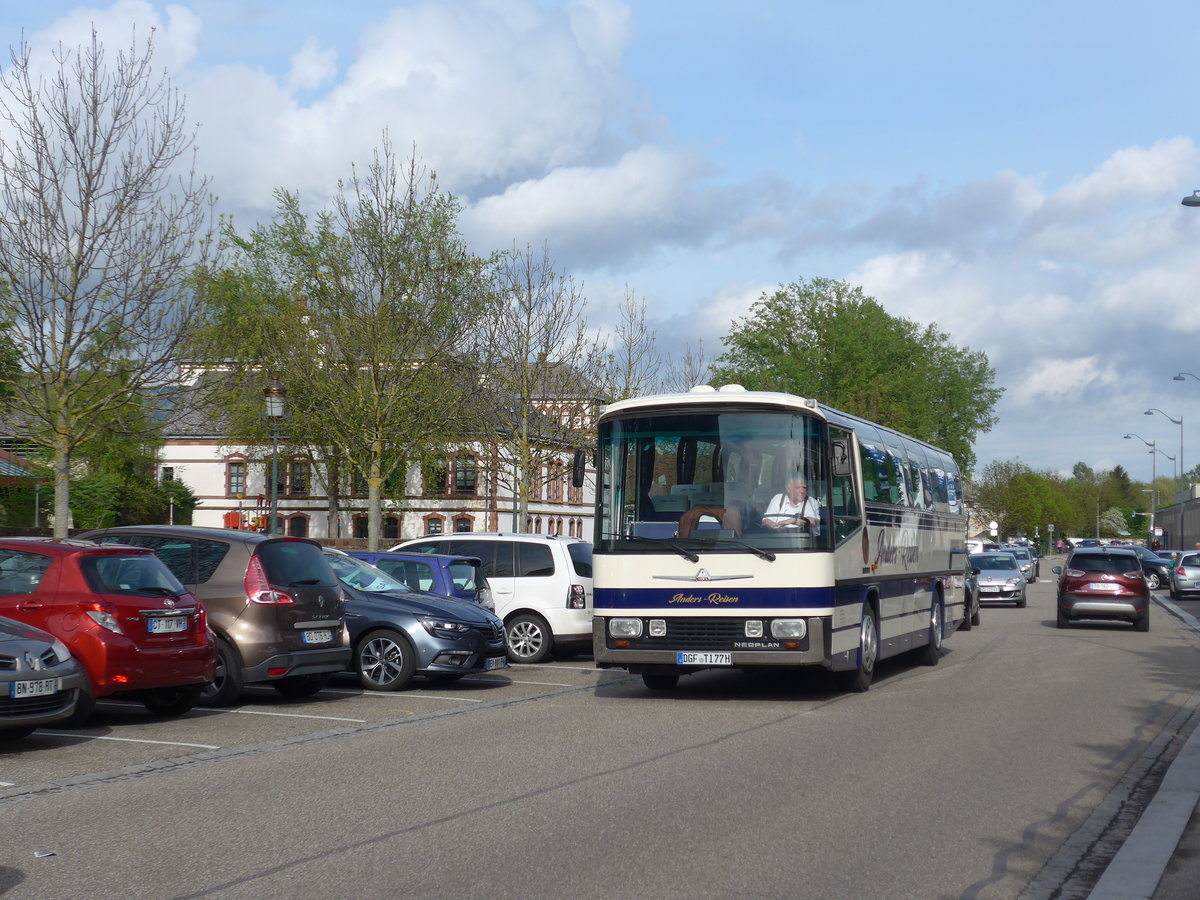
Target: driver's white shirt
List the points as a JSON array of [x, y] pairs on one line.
[[782, 507]]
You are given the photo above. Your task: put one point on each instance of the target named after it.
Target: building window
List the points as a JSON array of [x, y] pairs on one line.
[[297, 526], [435, 481], [297, 477], [433, 525], [391, 527], [462, 524], [556, 481], [168, 473], [235, 478], [464, 476], [360, 526], [358, 485]]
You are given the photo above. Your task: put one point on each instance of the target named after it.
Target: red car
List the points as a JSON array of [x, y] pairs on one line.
[[130, 623], [1103, 583]]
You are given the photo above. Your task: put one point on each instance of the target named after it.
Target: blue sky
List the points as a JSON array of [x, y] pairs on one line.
[[1011, 171]]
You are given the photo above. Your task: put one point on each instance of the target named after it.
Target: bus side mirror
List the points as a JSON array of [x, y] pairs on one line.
[[841, 459], [578, 468]]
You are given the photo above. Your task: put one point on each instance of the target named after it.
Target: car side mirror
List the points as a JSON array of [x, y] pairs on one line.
[[1057, 570], [974, 571]]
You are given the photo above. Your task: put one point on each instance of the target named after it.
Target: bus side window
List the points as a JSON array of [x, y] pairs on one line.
[[842, 502]]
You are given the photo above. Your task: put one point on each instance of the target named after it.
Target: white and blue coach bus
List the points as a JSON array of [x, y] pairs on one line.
[[738, 528]]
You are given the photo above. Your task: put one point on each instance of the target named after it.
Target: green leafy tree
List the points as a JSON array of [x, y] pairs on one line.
[[367, 313], [828, 340]]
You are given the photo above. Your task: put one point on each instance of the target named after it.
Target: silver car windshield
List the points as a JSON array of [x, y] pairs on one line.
[[362, 575]]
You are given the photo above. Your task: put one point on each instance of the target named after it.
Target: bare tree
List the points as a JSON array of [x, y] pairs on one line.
[[100, 217], [633, 364], [693, 367], [539, 369]]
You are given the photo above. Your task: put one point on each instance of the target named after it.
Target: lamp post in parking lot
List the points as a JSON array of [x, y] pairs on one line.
[[274, 394], [1153, 478], [1154, 409]]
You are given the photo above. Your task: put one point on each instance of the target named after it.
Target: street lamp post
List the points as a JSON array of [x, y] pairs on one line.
[[274, 394], [1153, 478], [1174, 421]]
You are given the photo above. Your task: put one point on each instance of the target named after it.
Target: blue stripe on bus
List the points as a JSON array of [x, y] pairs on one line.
[[708, 596]]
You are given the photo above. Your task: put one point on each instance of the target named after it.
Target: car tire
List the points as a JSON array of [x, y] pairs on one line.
[[1153, 581], [1143, 624], [1063, 621], [858, 680], [301, 687], [931, 653], [172, 701], [975, 617], [85, 708], [529, 638], [658, 681], [385, 660], [966, 623], [1022, 602], [226, 687]]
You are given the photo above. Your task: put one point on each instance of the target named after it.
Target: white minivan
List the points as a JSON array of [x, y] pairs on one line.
[[541, 585]]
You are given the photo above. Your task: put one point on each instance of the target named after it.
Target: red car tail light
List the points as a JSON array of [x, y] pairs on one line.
[[258, 588], [1182, 572], [104, 615], [201, 623], [576, 597], [1136, 574]]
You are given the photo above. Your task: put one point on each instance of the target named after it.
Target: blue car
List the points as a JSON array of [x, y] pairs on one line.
[[397, 633], [449, 576]]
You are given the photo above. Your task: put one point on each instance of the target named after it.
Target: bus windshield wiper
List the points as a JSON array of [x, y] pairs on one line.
[[757, 551], [682, 551]]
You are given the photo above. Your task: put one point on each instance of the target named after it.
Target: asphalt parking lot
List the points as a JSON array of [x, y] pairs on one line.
[[124, 736]]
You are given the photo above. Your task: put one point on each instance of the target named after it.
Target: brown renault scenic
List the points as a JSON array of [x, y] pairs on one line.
[[273, 603]]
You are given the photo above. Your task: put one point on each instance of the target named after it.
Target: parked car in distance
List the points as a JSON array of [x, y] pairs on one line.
[[1156, 569], [396, 632], [541, 584], [1103, 583], [970, 597], [999, 578], [39, 679], [1185, 577], [136, 631], [450, 576], [273, 603], [1026, 562]]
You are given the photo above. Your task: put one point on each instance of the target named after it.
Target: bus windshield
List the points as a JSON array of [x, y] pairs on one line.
[[713, 481]]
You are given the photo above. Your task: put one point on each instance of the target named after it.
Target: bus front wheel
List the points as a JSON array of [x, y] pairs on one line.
[[859, 680], [659, 681]]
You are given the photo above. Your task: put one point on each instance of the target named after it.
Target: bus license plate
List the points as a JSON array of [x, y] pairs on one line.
[[495, 662], [168, 624], [704, 658], [323, 636], [42, 688]]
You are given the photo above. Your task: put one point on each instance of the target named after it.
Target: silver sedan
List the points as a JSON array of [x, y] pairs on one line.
[[998, 578]]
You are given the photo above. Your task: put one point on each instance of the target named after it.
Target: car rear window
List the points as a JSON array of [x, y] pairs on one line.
[[495, 557], [141, 573], [987, 562], [581, 558], [417, 575], [1191, 559], [295, 562], [1110, 564], [191, 561], [463, 574], [21, 572]]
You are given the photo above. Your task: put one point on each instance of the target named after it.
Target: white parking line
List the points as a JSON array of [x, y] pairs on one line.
[[259, 712], [8, 784], [101, 737], [385, 695], [514, 681]]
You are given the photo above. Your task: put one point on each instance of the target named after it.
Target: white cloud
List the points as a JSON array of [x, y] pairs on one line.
[[311, 66]]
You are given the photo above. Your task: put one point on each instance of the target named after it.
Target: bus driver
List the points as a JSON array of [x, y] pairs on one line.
[[793, 508]]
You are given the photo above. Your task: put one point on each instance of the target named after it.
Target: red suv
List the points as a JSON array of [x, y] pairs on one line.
[[130, 623], [1103, 583]]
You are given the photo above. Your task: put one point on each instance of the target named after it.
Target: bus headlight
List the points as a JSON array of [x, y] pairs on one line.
[[658, 628], [625, 628], [789, 628], [754, 628]]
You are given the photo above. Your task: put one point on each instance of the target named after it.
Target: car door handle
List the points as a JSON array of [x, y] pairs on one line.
[[30, 604]]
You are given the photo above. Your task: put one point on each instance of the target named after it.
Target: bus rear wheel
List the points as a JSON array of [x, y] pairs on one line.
[[858, 680]]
